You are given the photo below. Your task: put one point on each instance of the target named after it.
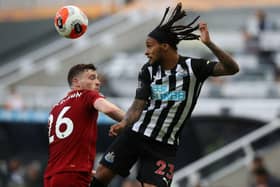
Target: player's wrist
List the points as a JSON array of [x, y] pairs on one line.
[[124, 123], [209, 43]]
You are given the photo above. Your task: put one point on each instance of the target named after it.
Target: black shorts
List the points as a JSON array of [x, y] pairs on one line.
[[156, 160]]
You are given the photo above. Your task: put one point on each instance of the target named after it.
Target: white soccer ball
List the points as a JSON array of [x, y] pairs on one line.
[[70, 22]]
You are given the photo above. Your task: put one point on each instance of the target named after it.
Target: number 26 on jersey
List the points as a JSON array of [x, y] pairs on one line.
[[58, 132]]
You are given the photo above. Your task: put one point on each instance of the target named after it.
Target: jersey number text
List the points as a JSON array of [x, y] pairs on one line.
[[61, 119]]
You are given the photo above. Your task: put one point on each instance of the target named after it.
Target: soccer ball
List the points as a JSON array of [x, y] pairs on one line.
[[70, 22]]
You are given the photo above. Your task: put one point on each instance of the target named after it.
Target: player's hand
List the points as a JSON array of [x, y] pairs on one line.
[[93, 172], [116, 129], [204, 34]]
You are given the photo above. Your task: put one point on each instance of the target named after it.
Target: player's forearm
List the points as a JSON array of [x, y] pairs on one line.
[[134, 112], [116, 114], [229, 64]]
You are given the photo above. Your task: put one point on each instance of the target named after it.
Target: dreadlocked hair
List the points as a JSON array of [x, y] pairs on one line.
[[167, 32]]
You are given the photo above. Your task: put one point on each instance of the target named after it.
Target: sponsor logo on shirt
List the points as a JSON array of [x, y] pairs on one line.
[[160, 92]]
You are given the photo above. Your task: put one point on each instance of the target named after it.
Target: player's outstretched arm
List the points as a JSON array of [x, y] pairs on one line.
[[109, 109], [131, 116], [226, 64]]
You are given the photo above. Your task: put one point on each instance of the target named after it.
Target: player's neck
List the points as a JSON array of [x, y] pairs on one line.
[[170, 61]]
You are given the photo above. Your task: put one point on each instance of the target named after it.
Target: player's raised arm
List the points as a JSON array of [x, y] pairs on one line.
[[109, 109], [226, 64]]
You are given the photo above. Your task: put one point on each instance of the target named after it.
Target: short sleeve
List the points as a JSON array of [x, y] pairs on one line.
[[143, 90], [92, 96], [202, 68]]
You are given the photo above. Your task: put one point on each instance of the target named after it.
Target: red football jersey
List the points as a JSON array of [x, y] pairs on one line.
[[73, 133]]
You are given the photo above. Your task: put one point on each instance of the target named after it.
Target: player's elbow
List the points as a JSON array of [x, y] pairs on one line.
[[234, 70]]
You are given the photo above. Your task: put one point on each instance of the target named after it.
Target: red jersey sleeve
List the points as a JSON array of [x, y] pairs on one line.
[[91, 97]]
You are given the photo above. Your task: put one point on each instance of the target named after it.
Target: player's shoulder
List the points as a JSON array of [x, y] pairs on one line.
[[90, 92], [183, 59], [191, 60], [93, 94]]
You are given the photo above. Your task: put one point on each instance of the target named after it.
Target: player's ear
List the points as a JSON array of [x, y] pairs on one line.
[[75, 81], [165, 46]]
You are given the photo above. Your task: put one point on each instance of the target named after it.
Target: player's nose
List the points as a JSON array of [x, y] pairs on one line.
[[147, 53]]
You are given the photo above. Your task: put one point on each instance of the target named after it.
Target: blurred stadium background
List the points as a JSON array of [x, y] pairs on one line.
[[236, 118]]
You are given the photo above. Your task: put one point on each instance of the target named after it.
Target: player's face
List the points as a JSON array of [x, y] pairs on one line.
[[153, 50], [88, 80]]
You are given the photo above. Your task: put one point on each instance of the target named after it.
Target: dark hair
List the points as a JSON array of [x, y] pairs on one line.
[[166, 32], [77, 69]]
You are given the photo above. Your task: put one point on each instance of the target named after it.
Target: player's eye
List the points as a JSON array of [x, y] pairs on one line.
[[149, 45], [93, 77]]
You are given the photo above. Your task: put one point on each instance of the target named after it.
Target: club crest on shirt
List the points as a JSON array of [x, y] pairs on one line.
[[110, 157]]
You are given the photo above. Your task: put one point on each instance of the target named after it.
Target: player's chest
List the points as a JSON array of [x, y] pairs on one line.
[[170, 86]]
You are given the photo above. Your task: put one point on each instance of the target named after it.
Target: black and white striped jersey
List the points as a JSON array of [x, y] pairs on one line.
[[171, 96]]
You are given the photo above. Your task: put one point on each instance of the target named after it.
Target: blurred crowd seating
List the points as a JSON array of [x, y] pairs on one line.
[[16, 173]]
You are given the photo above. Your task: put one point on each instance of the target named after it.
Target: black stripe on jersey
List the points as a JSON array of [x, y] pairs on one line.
[[164, 113], [154, 72], [186, 84], [149, 114]]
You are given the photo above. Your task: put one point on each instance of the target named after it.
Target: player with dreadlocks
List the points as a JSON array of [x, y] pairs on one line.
[[169, 86]]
